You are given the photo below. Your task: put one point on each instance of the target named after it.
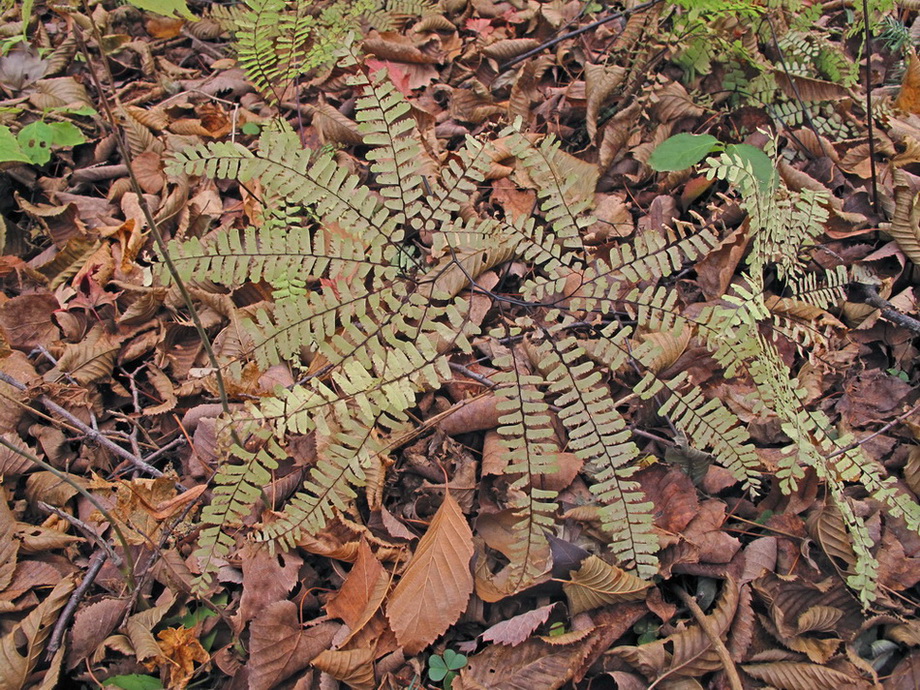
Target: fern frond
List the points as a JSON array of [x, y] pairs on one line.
[[527, 434], [598, 435], [237, 486]]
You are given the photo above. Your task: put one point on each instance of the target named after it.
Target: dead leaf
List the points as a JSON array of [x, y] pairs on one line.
[[436, 585], [363, 591]]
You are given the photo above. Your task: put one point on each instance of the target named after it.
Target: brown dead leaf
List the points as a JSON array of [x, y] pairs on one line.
[[280, 646], [597, 583], [354, 667], [437, 583], [22, 645], [514, 631], [533, 665], [267, 578], [363, 591]]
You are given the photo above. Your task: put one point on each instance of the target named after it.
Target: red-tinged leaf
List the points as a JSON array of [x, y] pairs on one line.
[[517, 629], [363, 591], [267, 578], [279, 646], [436, 586]]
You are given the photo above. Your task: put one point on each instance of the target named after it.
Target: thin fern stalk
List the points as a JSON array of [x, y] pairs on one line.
[[125, 153], [127, 566], [94, 434], [868, 42]]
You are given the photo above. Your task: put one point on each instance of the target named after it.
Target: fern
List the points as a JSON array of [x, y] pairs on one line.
[[376, 285], [278, 41], [737, 343]]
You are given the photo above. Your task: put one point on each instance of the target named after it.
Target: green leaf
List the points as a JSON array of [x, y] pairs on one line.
[[681, 151], [10, 150], [167, 8], [760, 162], [251, 128], [437, 669], [134, 682], [66, 134], [36, 139]]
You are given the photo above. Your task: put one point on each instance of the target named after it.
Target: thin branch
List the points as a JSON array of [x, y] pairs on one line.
[[731, 672], [578, 32], [91, 433], [868, 294], [60, 626]]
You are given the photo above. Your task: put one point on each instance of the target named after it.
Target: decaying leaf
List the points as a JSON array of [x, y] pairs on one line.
[[436, 585], [597, 583]]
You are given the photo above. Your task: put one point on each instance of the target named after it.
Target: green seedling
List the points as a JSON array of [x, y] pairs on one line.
[[686, 150]]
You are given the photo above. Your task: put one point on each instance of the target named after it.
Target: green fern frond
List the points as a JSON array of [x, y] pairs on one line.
[[598, 435], [237, 486]]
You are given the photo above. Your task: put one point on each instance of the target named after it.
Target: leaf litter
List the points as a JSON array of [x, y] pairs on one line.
[[109, 436]]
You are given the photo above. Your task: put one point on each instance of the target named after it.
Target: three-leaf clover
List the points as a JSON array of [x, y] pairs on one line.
[[444, 667]]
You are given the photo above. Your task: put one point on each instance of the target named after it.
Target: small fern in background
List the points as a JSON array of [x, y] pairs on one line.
[[278, 41]]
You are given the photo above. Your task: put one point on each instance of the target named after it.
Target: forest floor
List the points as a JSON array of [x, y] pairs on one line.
[[109, 395]]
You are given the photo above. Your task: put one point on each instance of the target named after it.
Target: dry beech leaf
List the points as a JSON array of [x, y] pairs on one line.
[[437, 583], [89, 360], [334, 127], [533, 665], [688, 653], [22, 646], [905, 224], [354, 667], [509, 48], [514, 631], [362, 592], [792, 675], [826, 526], [279, 645], [13, 464], [9, 548], [911, 469], [164, 388], [597, 583]]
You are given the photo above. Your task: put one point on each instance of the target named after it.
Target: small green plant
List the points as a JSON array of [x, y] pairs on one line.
[[35, 141], [443, 668], [685, 150]]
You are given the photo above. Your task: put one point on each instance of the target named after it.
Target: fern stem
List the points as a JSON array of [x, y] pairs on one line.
[[125, 153], [868, 36]]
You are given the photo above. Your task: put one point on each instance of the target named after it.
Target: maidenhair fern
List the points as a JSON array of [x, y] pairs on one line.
[[782, 224], [278, 41], [372, 294]]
